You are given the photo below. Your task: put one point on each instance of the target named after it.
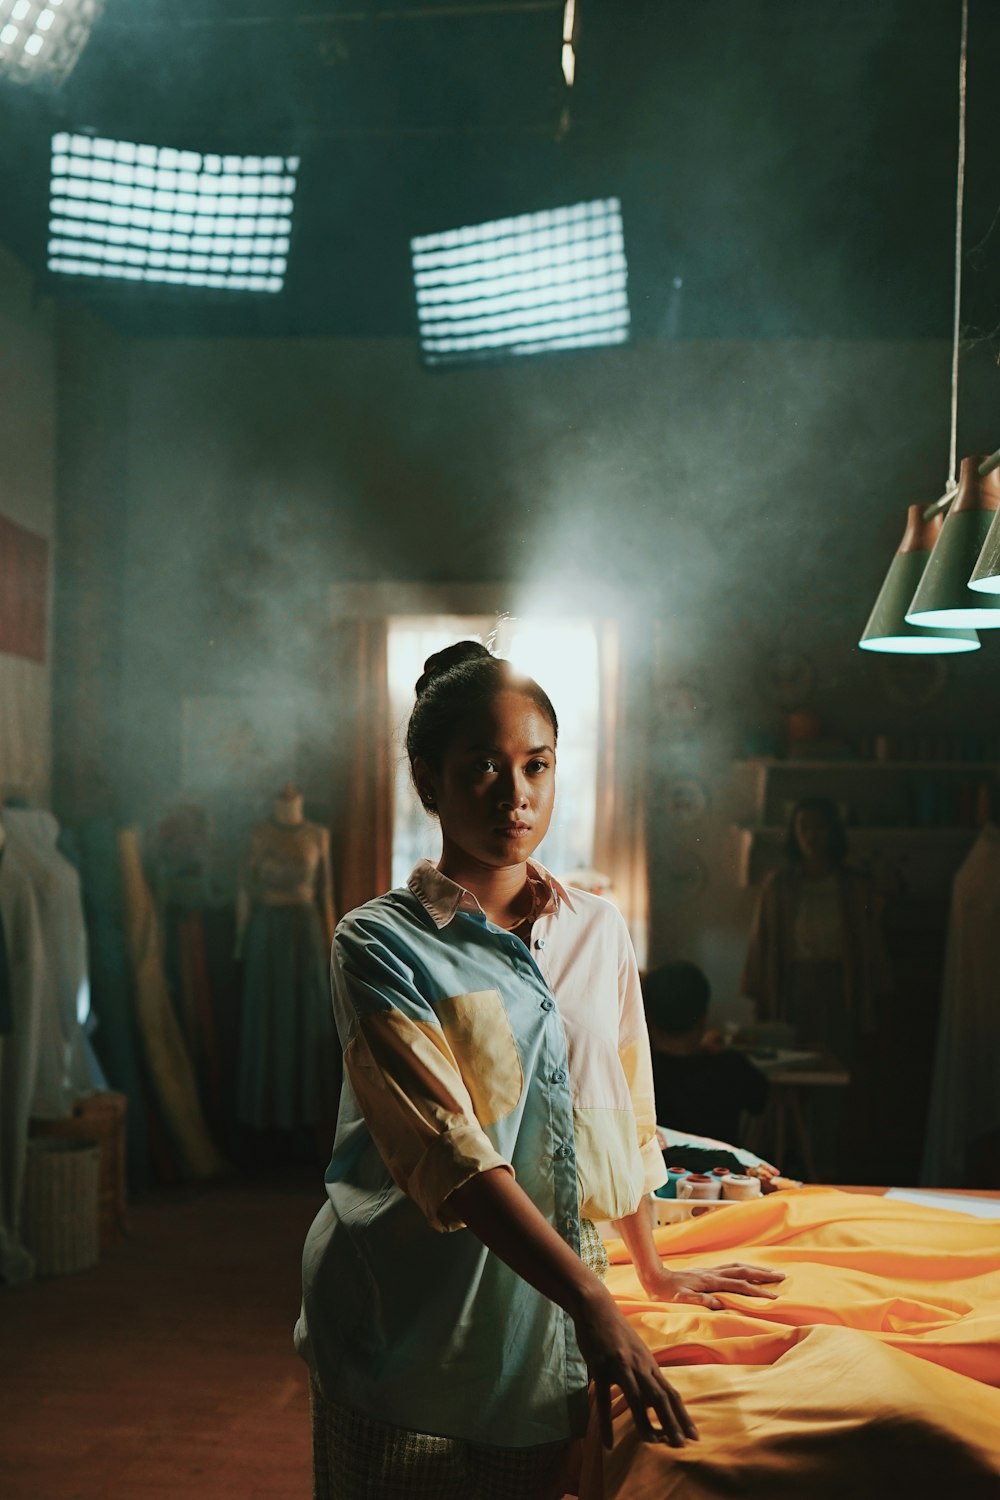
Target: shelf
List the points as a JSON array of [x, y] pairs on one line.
[[775, 832], [776, 763]]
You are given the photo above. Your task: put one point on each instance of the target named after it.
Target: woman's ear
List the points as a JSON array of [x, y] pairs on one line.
[[424, 782]]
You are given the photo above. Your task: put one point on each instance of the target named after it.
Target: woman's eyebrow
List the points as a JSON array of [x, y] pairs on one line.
[[495, 750]]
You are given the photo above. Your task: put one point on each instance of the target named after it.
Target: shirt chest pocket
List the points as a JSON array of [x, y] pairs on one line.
[[479, 1034]]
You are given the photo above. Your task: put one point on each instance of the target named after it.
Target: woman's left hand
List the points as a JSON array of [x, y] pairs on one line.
[[701, 1285]]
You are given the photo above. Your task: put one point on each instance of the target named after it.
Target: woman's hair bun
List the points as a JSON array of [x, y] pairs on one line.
[[451, 656]]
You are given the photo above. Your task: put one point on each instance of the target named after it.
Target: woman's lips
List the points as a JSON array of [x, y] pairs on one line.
[[514, 830]]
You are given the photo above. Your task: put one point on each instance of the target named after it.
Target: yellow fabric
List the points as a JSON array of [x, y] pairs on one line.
[[876, 1371], [418, 1110], [636, 1065], [610, 1173], [485, 1052]]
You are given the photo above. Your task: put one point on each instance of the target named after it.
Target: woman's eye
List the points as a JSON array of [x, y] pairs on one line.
[[486, 766], [537, 766]]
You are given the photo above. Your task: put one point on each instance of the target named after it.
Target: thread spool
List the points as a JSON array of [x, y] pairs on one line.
[[669, 1188], [739, 1189], [699, 1187]]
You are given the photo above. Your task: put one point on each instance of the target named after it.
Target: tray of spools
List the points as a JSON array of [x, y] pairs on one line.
[[686, 1195]]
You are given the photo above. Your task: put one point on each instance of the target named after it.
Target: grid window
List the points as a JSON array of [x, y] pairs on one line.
[[526, 285], [42, 39], [148, 213]]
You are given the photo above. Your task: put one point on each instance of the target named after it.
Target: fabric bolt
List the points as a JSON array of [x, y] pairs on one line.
[[288, 1063], [965, 1093], [875, 1372], [160, 1037], [466, 1052]]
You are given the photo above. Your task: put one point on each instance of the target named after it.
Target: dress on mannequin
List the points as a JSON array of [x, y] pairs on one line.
[[289, 1064], [965, 1094]]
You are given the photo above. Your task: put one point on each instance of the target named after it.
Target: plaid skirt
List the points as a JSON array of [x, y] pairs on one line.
[[356, 1457]]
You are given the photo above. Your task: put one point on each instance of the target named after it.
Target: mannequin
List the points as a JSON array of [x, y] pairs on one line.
[[289, 1065]]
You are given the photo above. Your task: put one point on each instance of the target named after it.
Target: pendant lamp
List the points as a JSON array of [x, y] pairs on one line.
[[887, 629], [943, 597], [986, 574]]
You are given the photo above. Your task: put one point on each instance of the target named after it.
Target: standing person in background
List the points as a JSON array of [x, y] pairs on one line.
[[492, 1025], [816, 960]]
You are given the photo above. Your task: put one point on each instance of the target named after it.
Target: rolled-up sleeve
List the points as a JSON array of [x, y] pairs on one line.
[[405, 1078]]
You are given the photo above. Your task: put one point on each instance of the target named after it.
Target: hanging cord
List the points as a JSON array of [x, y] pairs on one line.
[[963, 59], [952, 482]]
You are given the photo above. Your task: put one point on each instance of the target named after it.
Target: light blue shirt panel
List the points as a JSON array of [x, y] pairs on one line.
[[426, 1330]]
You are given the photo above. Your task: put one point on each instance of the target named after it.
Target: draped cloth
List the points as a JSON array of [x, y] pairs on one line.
[[160, 1037], [362, 839], [965, 1095], [877, 1370]]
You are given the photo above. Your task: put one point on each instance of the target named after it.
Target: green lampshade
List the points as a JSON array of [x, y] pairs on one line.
[[986, 574], [887, 629], [943, 597]]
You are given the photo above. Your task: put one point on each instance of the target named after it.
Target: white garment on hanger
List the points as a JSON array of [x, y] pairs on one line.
[[18, 1051], [965, 1094], [64, 1072]]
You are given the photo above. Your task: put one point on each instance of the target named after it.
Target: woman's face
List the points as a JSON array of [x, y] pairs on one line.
[[495, 788], [813, 835]]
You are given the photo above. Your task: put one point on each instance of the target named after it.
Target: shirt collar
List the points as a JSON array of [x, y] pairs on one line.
[[441, 898]]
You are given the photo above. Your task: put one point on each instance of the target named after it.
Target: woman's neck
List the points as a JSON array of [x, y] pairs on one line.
[[500, 892]]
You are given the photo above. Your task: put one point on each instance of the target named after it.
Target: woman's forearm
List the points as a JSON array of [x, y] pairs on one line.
[[500, 1213], [637, 1232]]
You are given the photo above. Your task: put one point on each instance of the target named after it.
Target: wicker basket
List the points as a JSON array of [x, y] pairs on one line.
[[59, 1222], [98, 1117]]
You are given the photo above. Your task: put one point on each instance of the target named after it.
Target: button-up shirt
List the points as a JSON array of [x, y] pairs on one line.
[[465, 1050]]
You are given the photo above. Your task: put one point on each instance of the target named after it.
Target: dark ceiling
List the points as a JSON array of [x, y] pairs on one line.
[[792, 162]]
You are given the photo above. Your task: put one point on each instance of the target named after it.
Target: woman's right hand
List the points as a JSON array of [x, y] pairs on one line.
[[616, 1355]]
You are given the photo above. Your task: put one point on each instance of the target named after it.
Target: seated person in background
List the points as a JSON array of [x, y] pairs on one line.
[[700, 1088]]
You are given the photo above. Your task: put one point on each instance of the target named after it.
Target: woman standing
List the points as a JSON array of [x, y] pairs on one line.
[[497, 1100], [816, 958]]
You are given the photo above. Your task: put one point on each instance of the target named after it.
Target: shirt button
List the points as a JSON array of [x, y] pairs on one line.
[[548, 1003], [558, 1075], [561, 1152], [539, 942], [569, 1226]]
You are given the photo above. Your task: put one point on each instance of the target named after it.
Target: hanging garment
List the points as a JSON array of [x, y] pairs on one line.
[[289, 1058], [965, 1094], [160, 1037], [116, 1036], [19, 1050], [64, 1071]]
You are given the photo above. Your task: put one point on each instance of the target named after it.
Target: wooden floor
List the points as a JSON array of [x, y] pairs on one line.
[[167, 1373]]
